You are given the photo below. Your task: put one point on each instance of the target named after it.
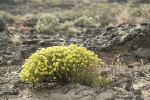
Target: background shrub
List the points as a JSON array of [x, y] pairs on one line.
[[66, 25], [69, 27], [48, 23], [61, 64], [7, 17], [85, 21]]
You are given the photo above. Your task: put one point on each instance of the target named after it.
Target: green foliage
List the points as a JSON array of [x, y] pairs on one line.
[[100, 80], [69, 27], [48, 23], [74, 30], [85, 21], [61, 64], [27, 17], [65, 26], [5, 16]]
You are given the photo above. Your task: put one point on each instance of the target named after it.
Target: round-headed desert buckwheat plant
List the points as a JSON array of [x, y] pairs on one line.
[[61, 64]]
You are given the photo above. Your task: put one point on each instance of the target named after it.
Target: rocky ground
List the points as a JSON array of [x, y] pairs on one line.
[[125, 49]]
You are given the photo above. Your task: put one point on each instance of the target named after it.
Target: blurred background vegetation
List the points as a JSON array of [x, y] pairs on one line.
[[105, 12]]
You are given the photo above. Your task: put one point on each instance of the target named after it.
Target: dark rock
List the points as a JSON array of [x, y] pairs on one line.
[[8, 91], [142, 54], [135, 38], [149, 70], [131, 66], [108, 95], [39, 36], [29, 41], [107, 71], [141, 74], [137, 92], [2, 25], [45, 43], [30, 23]]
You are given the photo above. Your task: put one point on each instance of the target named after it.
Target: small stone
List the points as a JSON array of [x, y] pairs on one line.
[[141, 74], [28, 96], [131, 66], [137, 92], [20, 95], [108, 95], [149, 70], [29, 41]]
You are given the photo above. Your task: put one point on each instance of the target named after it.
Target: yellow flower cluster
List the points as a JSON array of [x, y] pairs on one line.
[[60, 63]]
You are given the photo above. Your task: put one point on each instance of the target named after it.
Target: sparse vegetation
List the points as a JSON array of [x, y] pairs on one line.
[[27, 17], [16, 39], [8, 17], [66, 26], [48, 23], [85, 21], [108, 12]]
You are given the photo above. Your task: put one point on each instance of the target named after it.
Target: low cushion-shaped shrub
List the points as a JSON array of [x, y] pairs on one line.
[[61, 64], [48, 23], [69, 27], [65, 26], [85, 21]]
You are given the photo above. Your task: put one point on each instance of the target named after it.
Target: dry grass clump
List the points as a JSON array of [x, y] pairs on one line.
[[16, 39], [124, 16]]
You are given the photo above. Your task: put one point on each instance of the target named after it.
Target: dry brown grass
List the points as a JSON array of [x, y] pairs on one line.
[[124, 16], [16, 39]]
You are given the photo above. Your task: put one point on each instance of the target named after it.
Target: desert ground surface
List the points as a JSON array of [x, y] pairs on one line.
[[119, 35]]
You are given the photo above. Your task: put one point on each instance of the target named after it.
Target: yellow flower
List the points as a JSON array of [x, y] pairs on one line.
[[54, 69], [53, 59], [46, 72], [71, 61], [54, 78], [46, 62], [44, 69], [102, 63], [50, 73], [74, 69], [50, 66], [37, 79], [39, 63], [63, 68], [56, 64], [86, 61], [67, 69], [58, 60], [65, 64], [82, 64], [36, 71]]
